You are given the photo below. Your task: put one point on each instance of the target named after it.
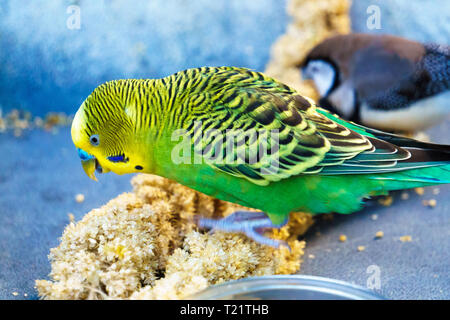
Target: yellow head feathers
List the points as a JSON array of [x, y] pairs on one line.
[[104, 132]]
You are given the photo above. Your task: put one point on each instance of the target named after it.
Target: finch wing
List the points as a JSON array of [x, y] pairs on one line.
[[403, 84]]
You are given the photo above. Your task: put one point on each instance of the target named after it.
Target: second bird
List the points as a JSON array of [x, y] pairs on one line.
[[382, 81]]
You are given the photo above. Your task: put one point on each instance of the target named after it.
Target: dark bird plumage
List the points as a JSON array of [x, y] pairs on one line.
[[382, 81]]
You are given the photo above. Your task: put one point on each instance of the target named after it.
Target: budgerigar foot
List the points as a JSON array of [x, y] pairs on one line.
[[253, 224]]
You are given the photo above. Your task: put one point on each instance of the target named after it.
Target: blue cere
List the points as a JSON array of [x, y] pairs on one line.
[[84, 156]]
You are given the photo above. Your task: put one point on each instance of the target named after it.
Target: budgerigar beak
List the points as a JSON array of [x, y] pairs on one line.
[[89, 168], [89, 163]]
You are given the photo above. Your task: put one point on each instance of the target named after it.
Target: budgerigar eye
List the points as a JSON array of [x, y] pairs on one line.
[[94, 139]]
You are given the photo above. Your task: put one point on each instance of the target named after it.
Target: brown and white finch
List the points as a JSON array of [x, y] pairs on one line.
[[382, 81]]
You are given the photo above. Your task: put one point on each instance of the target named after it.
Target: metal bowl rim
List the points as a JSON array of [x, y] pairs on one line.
[[290, 282]]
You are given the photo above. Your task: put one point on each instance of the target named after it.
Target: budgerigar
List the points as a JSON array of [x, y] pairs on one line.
[[286, 154]]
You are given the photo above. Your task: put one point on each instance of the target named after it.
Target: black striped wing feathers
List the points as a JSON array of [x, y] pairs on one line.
[[276, 133]]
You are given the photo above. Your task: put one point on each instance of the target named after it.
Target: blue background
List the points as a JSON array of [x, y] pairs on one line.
[[45, 66]]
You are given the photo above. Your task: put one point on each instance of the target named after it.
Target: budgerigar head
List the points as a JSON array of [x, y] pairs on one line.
[[103, 132]]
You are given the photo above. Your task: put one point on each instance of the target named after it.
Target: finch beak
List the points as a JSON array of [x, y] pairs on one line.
[[89, 167], [305, 74]]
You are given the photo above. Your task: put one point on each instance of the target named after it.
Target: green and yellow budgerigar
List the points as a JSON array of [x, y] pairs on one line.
[[286, 154]]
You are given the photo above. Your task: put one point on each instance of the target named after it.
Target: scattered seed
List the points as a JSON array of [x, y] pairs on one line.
[[15, 293], [79, 198], [404, 196], [436, 191], [405, 238], [386, 201], [420, 191], [361, 248], [374, 217], [311, 256], [379, 235], [429, 203], [342, 238]]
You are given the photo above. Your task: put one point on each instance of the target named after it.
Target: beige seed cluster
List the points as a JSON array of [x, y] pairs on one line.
[[145, 245]]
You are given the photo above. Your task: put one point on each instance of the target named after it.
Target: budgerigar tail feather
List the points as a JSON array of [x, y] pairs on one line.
[[430, 165], [416, 177], [405, 142], [391, 153], [424, 155]]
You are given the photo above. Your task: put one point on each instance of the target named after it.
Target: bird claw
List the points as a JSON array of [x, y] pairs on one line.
[[252, 224]]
